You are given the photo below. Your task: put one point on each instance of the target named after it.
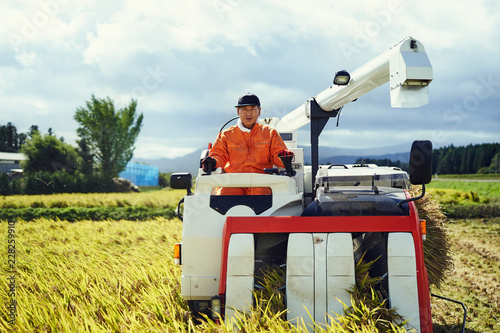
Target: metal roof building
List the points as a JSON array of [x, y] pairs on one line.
[[10, 162]]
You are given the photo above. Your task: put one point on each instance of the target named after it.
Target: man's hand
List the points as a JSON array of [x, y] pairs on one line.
[[286, 157], [208, 164], [285, 154]]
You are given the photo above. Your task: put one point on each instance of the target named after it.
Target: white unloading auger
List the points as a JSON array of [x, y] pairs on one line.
[[405, 65]]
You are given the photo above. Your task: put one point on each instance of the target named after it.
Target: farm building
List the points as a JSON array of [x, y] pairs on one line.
[[141, 174], [10, 162]]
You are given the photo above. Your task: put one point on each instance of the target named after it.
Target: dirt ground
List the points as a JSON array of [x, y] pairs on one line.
[[474, 280]]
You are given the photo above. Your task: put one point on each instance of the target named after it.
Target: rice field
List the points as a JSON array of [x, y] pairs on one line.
[[96, 277], [119, 276], [152, 199]]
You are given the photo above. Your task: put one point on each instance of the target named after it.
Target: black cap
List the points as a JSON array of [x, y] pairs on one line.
[[248, 99]]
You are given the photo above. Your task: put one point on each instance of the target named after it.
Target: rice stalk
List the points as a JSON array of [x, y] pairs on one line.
[[368, 311], [437, 247]]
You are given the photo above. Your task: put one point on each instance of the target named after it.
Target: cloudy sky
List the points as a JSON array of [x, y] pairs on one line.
[[187, 62]]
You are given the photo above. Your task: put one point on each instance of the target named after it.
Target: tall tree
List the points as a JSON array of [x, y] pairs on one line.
[[109, 134], [87, 167], [48, 153], [33, 130], [10, 140]]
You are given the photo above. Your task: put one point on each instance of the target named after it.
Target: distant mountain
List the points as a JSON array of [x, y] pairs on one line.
[[328, 155], [331, 155]]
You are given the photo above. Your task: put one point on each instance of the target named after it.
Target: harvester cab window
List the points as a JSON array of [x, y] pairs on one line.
[[330, 178]]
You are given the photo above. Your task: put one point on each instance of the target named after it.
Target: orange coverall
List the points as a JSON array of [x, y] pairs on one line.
[[238, 151]]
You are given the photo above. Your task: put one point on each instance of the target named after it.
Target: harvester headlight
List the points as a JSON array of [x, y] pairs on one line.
[[342, 78], [177, 254], [215, 305]]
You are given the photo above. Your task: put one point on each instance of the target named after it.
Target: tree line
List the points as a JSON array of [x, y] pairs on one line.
[[105, 145], [10, 140], [479, 158]]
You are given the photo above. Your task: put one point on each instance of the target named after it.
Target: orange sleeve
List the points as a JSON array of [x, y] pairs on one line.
[[277, 145], [219, 150]]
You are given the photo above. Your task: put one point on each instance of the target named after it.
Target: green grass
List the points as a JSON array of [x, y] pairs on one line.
[[475, 176], [73, 214], [467, 199], [486, 189]]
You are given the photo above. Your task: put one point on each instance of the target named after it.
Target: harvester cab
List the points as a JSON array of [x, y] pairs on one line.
[[320, 220]]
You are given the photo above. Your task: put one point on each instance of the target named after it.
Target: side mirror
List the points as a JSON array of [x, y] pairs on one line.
[[181, 181], [420, 166], [421, 162]]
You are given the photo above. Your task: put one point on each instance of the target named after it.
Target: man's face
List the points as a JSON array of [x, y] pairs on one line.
[[249, 115]]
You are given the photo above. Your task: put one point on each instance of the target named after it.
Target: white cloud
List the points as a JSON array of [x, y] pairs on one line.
[[26, 59], [154, 147], [55, 53]]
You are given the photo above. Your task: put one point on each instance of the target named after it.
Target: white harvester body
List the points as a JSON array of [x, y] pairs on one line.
[[318, 222]]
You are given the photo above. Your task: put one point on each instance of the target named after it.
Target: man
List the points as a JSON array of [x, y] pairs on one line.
[[246, 147]]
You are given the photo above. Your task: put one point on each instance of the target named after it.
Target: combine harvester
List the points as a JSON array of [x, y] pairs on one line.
[[320, 220]]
